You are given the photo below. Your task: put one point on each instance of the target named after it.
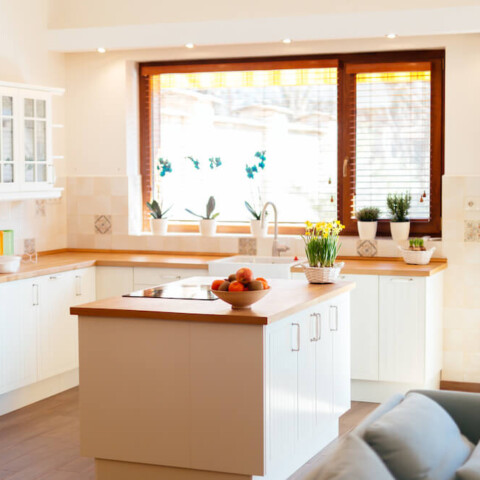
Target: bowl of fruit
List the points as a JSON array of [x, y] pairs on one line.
[[241, 289]]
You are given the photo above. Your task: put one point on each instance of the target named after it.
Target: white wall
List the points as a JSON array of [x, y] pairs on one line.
[[102, 141], [24, 58]]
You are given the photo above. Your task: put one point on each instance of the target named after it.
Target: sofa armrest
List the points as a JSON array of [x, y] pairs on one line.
[[463, 407]]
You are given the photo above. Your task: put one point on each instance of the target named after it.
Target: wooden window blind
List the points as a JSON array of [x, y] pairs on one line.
[[393, 140]]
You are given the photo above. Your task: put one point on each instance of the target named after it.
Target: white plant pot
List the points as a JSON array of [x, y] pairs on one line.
[[257, 230], [400, 231], [367, 230], [159, 226], [208, 228]]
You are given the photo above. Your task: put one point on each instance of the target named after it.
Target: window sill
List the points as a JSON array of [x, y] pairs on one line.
[[35, 194]]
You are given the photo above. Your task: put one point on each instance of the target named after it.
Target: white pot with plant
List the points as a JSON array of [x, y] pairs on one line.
[[367, 221], [158, 222], [399, 205], [208, 223], [321, 248], [256, 228]]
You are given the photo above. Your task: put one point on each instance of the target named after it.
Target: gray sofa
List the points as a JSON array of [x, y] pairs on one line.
[[423, 435]]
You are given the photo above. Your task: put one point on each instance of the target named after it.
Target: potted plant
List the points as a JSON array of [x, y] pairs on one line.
[[256, 210], [256, 223], [158, 222], [208, 224], [321, 248], [416, 253], [367, 220], [399, 205]]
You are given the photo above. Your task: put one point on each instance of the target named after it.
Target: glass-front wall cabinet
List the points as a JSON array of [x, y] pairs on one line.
[[25, 140]]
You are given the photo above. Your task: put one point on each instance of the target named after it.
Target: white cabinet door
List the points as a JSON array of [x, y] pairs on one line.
[[85, 286], [283, 344], [113, 281], [402, 329], [18, 334], [339, 324], [57, 334], [364, 326], [306, 375], [323, 367]]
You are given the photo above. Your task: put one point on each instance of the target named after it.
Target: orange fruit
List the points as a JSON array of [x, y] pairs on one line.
[[236, 287], [216, 284], [265, 283]]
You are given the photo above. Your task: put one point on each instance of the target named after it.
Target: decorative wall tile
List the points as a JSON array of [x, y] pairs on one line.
[[247, 246], [367, 248], [103, 224], [472, 230], [40, 210]]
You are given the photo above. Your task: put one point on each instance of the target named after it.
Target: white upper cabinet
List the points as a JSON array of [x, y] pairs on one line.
[[26, 159]]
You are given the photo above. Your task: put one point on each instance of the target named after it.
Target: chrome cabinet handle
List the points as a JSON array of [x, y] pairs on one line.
[[315, 333], [334, 307], [297, 349], [35, 295], [78, 285], [319, 327], [401, 280]]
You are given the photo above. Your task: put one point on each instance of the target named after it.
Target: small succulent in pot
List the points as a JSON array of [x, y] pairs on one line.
[[367, 218], [207, 223], [399, 205], [156, 211], [158, 222]]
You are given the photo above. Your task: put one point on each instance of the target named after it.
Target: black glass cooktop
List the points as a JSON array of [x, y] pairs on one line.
[[179, 292]]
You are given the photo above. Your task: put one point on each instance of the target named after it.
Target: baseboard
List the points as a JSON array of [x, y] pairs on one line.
[[35, 392], [460, 386]]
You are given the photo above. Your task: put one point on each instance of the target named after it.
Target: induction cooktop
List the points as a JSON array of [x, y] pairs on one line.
[[178, 292]]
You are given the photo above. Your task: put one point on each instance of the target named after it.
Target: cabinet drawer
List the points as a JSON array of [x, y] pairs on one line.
[[157, 276]]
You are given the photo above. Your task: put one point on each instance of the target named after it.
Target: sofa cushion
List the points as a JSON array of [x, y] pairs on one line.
[[418, 440], [471, 469], [352, 458]]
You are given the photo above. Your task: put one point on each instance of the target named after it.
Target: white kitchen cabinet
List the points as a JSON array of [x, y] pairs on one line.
[[151, 277], [18, 334], [308, 368], [339, 325], [113, 281], [364, 326], [402, 329]]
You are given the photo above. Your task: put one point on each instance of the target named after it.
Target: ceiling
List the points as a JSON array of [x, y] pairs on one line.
[[76, 26]]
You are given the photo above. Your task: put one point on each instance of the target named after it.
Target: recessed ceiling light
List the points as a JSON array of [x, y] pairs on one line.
[[189, 45], [287, 40], [391, 35], [101, 50]]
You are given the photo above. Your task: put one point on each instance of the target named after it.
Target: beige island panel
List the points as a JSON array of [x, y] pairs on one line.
[[286, 298]]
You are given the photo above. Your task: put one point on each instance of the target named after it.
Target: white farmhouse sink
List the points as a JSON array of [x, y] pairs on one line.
[[268, 267]]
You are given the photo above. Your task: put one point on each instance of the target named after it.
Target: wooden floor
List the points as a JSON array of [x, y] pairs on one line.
[[40, 442]]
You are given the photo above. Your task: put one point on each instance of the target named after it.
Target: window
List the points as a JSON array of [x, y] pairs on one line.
[[25, 158], [319, 136]]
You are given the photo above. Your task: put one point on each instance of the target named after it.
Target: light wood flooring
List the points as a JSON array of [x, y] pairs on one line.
[[40, 442]]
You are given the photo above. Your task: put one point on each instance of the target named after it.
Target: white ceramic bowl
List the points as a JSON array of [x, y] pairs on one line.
[[9, 263]]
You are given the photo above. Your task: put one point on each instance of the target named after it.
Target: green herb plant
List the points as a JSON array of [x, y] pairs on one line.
[[210, 215], [399, 205], [156, 211], [416, 244], [368, 214]]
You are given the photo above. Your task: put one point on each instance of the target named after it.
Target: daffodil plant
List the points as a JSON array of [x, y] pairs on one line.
[[322, 243]]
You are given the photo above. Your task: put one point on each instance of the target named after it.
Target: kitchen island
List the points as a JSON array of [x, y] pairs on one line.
[[191, 389]]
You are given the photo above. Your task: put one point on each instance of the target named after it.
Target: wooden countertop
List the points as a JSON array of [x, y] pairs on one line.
[[286, 298], [71, 260]]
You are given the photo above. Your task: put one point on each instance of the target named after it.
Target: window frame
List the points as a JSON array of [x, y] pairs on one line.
[[342, 61]]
